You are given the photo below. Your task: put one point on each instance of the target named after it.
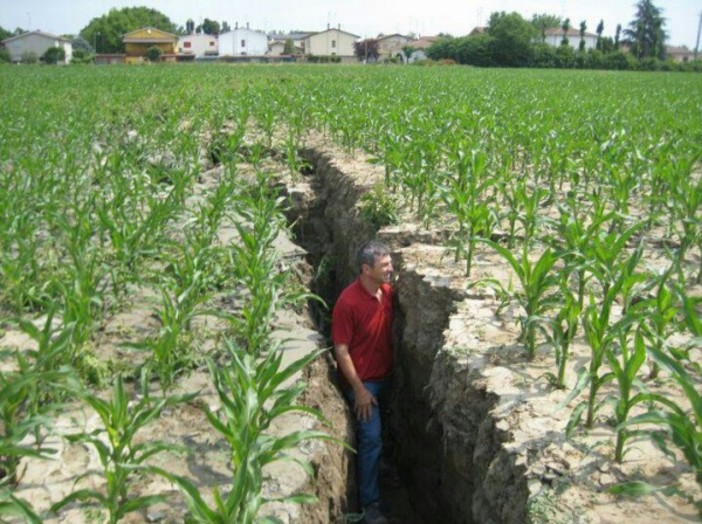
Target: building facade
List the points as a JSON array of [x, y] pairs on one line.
[[137, 43], [332, 42], [36, 43], [554, 37], [198, 45], [243, 41]]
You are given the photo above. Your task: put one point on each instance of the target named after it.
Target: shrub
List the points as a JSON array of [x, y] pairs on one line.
[[153, 54], [81, 56], [4, 55], [29, 57], [54, 55]]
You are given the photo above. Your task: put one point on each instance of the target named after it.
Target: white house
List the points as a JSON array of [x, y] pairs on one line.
[[554, 36], [36, 42], [243, 41], [332, 42], [198, 45], [419, 47]]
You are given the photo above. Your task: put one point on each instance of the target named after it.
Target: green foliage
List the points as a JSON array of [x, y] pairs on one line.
[[107, 31], [54, 55], [646, 33], [253, 392], [80, 56], [379, 207], [29, 57], [512, 39], [209, 27], [4, 55], [153, 53], [121, 455]]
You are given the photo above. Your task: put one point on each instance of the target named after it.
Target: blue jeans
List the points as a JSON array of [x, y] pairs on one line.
[[369, 442]]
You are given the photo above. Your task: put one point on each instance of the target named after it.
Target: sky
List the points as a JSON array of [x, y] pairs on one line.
[[365, 18]]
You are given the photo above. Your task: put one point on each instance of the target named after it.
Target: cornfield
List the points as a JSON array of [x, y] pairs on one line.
[[574, 179]]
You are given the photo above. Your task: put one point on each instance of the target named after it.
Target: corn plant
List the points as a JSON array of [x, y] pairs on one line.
[[18, 422], [253, 393], [683, 426], [121, 455], [464, 198], [625, 363], [660, 318], [601, 335], [577, 238], [11, 506], [562, 330], [536, 296]]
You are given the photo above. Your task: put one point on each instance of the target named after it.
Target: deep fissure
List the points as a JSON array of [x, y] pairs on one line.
[[332, 261]]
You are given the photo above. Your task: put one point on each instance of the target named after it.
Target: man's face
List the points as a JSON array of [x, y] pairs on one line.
[[381, 272]]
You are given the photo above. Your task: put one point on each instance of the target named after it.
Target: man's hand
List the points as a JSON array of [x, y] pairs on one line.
[[363, 403]]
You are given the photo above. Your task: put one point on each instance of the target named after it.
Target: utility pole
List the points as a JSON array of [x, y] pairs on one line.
[[697, 44]]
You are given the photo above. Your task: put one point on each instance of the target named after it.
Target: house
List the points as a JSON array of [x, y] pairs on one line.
[[420, 48], [390, 46], [277, 48], [679, 54], [137, 43], [36, 43], [198, 45], [277, 42], [332, 42], [554, 37], [243, 41]]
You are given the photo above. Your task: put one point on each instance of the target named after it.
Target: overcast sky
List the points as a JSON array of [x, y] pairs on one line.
[[365, 18]]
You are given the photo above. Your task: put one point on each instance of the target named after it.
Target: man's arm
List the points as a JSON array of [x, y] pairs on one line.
[[363, 399]]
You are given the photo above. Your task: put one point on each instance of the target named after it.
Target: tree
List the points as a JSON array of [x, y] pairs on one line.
[[547, 21], [565, 27], [512, 39], [646, 34], [54, 55], [210, 27], [288, 47], [80, 44], [110, 28], [617, 35], [6, 33], [366, 50], [407, 51], [543, 22], [225, 27], [600, 29], [583, 27], [190, 26], [4, 55]]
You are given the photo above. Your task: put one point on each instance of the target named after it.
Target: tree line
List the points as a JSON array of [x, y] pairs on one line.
[[512, 41]]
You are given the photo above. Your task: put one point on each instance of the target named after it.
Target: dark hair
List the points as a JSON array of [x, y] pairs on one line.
[[370, 252]]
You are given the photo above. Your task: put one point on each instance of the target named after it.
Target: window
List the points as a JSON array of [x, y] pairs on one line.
[[333, 44], [187, 45], [212, 43], [243, 43]]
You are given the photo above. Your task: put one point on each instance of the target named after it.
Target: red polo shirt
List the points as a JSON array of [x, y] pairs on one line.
[[364, 324]]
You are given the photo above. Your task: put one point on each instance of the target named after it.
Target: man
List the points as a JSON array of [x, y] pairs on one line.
[[361, 332]]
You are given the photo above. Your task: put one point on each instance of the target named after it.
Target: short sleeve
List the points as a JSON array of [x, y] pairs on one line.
[[342, 323]]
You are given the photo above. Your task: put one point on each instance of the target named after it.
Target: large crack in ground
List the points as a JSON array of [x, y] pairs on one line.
[[475, 433]]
